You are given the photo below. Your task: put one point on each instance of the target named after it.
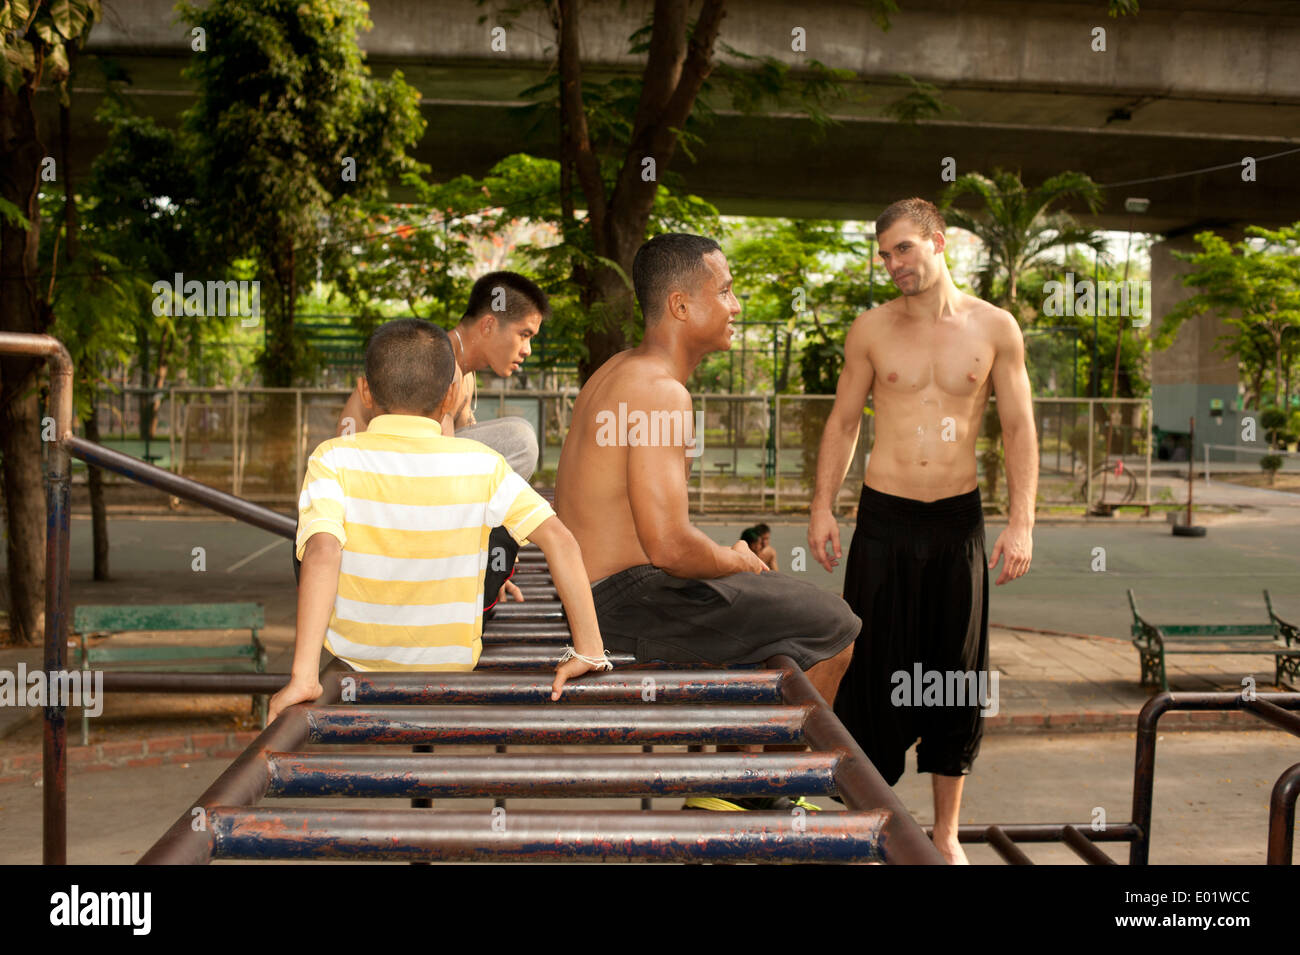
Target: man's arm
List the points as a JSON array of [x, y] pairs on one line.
[[1020, 438], [317, 588], [838, 441], [565, 560], [656, 489]]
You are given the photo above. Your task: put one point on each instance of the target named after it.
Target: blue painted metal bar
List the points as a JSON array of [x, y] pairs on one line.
[[649, 686], [533, 836], [552, 775], [557, 724]]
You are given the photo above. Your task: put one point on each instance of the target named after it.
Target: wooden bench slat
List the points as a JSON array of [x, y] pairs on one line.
[[119, 618], [1216, 630], [170, 652]]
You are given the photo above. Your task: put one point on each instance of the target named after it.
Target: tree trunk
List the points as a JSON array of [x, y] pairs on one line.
[[676, 68], [20, 412]]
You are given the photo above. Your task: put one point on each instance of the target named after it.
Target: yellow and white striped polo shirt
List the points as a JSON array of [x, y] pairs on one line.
[[412, 510]]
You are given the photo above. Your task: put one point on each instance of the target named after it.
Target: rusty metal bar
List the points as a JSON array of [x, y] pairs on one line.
[[1022, 832], [559, 775], [54, 741], [557, 724], [860, 783], [1144, 765], [120, 681], [547, 656], [663, 686], [1004, 847], [191, 490], [189, 841], [1281, 817], [1271, 713], [1082, 845], [533, 836]]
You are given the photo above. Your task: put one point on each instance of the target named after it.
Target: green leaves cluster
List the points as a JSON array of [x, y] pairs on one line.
[[35, 39], [1254, 286]]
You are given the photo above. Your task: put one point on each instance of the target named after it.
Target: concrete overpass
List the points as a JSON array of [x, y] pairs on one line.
[[1185, 85]]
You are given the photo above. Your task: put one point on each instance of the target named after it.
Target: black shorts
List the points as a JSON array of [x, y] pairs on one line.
[[740, 618], [917, 576]]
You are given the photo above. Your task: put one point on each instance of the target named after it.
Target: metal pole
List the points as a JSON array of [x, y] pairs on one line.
[[1088, 480], [1191, 452], [54, 745]]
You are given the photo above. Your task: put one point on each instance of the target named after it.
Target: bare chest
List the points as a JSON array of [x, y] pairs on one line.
[[955, 362]]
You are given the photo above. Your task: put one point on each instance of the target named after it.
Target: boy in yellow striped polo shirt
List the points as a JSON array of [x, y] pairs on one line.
[[393, 530]]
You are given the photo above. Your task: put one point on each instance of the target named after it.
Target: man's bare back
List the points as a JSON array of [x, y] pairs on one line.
[[591, 488]]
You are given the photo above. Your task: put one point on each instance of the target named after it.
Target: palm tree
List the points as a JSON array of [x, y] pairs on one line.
[[1019, 227]]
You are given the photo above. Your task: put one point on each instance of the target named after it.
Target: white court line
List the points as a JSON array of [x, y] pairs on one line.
[[256, 554]]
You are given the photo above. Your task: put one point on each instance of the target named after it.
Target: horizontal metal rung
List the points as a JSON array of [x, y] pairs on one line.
[[544, 836], [529, 775], [557, 724], [541, 657], [647, 686]]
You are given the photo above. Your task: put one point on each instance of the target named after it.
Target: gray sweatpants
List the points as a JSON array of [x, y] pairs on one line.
[[513, 438]]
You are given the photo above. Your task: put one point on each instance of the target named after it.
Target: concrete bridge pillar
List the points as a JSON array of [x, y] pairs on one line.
[[1193, 370]]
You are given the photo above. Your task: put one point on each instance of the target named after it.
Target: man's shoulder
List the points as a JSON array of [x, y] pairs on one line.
[[637, 381], [997, 323]]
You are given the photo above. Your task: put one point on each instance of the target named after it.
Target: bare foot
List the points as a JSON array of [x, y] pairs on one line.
[[951, 851]]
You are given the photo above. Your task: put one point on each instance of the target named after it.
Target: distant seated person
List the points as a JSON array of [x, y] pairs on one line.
[[759, 539], [393, 530]]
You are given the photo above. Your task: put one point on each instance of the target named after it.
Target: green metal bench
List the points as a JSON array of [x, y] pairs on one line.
[[106, 620], [1276, 637]]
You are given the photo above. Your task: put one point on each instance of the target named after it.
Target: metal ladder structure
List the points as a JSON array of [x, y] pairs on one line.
[[506, 702]]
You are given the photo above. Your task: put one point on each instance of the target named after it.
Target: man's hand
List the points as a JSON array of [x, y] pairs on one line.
[[1016, 545], [752, 564], [822, 528], [509, 590], [567, 671], [297, 691]]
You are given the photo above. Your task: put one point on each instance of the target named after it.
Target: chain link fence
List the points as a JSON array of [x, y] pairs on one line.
[[759, 452]]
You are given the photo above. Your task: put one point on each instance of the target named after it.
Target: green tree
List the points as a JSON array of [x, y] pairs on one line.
[[36, 37], [291, 133], [1254, 286], [614, 167], [1020, 227]]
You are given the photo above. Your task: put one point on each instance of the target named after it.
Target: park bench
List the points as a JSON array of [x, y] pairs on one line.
[[107, 620], [1277, 637]]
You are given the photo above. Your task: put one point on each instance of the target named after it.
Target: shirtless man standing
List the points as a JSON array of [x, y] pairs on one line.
[[916, 572], [663, 590]]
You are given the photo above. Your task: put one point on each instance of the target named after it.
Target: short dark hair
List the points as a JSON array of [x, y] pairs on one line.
[[924, 213], [761, 529], [507, 296], [665, 263], [749, 536], [409, 365]]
